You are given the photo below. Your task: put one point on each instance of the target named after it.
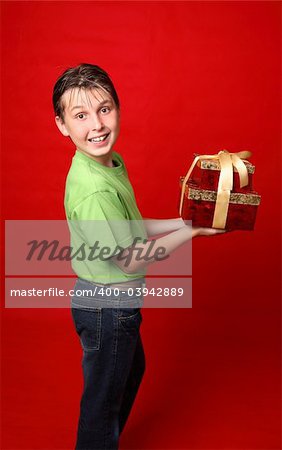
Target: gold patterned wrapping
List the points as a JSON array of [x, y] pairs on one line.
[[214, 165], [210, 196]]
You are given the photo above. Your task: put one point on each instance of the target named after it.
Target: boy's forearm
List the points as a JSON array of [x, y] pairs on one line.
[[155, 227], [135, 259]]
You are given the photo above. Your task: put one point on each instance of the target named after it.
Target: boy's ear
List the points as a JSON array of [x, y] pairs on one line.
[[60, 124]]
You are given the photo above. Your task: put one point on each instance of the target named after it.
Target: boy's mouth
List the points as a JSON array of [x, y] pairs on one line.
[[99, 138]]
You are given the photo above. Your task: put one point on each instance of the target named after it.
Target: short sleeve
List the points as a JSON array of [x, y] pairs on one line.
[[100, 221]]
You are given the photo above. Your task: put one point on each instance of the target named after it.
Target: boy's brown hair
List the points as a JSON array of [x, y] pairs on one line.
[[84, 76]]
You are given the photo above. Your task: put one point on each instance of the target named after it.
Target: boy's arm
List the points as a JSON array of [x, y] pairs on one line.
[[133, 259], [155, 227]]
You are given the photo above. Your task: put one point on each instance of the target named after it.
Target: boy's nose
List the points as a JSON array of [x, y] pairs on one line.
[[97, 123]]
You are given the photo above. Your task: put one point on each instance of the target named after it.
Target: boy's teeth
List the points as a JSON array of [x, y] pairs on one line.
[[99, 139]]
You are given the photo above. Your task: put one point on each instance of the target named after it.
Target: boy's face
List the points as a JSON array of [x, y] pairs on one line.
[[91, 120]]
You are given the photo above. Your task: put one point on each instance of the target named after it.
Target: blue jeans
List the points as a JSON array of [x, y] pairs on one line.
[[113, 362]]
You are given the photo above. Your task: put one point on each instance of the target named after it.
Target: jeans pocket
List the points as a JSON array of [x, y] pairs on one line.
[[129, 317], [88, 323]]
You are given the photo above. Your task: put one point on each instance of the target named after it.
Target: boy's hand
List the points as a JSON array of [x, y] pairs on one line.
[[200, 231], [197, 231]]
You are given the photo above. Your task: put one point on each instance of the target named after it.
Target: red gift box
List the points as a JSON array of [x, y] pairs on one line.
[[217, 192], [207, 171]]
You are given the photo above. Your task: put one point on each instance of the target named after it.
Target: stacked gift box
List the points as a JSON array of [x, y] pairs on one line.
[[217, 192]]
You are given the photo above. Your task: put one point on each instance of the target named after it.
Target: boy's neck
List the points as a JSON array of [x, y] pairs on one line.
[[104, 160]]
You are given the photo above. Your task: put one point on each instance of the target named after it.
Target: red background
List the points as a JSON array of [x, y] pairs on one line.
[[192, 77]]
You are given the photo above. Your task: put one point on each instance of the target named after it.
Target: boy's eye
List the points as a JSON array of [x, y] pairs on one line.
[[105, 110], [80, 116]]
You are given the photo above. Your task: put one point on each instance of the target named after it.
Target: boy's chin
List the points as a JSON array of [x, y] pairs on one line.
[[96, 153]]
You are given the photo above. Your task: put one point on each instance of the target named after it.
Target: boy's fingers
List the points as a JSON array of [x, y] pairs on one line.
[[212, 231]]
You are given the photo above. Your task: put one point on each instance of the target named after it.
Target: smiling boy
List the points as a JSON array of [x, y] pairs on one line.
[[98, 191], [92, 124]]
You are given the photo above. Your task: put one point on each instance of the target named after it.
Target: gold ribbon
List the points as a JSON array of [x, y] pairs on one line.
[[225, 183]]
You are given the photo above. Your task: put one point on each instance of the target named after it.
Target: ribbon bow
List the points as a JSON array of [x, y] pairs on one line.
[[225, 183]]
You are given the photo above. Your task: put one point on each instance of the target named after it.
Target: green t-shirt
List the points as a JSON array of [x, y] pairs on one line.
[[102, 216]]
